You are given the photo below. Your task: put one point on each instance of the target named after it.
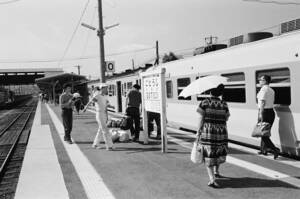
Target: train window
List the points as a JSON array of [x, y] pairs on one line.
[[129, 85], [235, 89], [169, 86], [181, 84], [280, 82]]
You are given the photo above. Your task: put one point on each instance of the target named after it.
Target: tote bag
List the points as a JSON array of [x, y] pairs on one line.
[[197, 153], [262, 129]]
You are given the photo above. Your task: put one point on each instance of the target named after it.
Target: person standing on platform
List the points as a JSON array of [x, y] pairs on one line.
[[265, 99], [133, 102], [152, 116], [101, 104], [212, 132], [66, 103]]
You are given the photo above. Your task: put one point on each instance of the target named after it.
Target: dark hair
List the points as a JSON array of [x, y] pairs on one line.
[[267, 78], [67, 85], [137, 86], [217, 91]]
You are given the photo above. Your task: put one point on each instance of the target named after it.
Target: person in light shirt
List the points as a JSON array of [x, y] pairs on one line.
[[101, 105], [265, 99]]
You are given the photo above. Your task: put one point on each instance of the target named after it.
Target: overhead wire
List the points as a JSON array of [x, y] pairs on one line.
[[74, 32], [273, 2], [8, 2], [89, 33], [72, 58]]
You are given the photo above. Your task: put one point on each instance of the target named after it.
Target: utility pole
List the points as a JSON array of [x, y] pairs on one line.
[[157, 54], [78, 68], [132, 61], [101, 42]]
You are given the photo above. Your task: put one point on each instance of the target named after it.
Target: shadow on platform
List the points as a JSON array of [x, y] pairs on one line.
[[248, 182]]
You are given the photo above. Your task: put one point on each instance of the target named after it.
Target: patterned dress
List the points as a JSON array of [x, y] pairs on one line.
[[214, 136]]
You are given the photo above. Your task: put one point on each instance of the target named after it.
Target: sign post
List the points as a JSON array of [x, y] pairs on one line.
[[154, 100]]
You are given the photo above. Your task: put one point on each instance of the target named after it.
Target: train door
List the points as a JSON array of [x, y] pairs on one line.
[[119, 96]]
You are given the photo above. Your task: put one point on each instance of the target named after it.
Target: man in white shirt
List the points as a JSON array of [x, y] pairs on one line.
[[101, 105], [265, 100]]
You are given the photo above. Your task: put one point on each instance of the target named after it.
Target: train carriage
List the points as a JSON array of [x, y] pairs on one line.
[[243, 65]]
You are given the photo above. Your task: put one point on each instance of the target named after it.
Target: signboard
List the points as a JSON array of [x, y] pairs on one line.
[[110, 66], [154, 100], [152, 93]]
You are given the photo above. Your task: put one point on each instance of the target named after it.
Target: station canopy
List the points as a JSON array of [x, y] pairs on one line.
[[47, 83], [25, 75]]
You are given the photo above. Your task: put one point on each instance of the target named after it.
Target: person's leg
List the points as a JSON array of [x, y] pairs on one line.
[[130, 114], [136, 119], [157, 121], [105, 132], [269, 144], [65, 123], [210, 174], [150, 123], [97, 138]]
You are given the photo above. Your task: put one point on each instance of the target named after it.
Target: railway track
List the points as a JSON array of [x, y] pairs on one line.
[[13, 141]]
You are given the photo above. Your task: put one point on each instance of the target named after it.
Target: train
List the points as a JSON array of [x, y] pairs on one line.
[[7, 97], [277, 56]]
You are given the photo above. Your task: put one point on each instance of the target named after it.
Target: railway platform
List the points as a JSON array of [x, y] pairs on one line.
[[53, 168]]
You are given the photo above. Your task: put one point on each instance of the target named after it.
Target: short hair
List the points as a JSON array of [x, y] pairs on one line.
[[267, 78], [217, 91], [67, 85], [137, 86]]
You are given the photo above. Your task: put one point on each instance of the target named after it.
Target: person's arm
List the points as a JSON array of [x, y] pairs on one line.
[[261, 110], [92, 100], [64, 103]]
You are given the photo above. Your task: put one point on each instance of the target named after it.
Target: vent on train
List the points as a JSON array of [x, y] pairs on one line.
[[290, 26], [214, 47], [250, 37]]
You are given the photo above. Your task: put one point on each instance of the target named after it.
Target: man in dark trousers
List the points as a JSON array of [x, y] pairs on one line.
[[66, 103], [133, 102]]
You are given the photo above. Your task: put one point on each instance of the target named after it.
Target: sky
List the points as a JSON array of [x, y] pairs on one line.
[[36, 33]]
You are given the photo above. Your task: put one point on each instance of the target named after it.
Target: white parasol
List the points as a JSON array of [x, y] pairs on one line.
[[203, 84]]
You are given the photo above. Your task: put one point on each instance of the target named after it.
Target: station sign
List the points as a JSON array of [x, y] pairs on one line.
[[110, 66], [154, 100]]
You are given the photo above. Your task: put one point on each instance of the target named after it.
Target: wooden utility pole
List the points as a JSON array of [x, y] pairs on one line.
[[157, 54], [78, 68], [132, 61], [101, 42]]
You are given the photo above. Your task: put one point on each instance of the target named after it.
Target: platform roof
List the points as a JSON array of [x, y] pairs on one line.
[[16, 76], [46, 83]]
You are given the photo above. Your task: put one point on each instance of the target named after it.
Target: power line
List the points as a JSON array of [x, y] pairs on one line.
[[8, 2], [89, 33], [74, 32], [273, 2], [72, 58]]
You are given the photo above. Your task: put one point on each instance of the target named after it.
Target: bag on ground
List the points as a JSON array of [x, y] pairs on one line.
[[262, 129], [125, 123], [197, 153], [124, 136], [114, 135]]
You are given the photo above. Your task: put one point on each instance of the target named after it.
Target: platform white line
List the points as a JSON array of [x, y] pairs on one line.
[[91, 180], [283, 160], [247, 165]]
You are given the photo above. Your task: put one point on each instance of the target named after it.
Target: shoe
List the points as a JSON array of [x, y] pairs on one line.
[[213, 185], [109, 148], [69, 141], [94, 146], [217, 175], [262, 153], [135, 139], [276, 153]]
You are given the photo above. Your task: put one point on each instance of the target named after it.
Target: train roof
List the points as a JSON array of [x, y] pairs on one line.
[[274, 50]]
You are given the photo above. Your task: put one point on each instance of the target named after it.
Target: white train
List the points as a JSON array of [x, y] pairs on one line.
[[277, 56]]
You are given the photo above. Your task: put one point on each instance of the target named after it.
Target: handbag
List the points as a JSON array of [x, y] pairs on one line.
[[197, 153], [262, 129]]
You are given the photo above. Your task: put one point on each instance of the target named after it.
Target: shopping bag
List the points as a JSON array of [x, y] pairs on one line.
[[197, 153], [262, 129]]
